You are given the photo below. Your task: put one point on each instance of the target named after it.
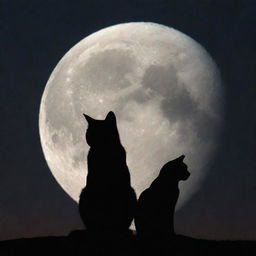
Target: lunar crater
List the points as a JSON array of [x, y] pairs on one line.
[[55, 138]]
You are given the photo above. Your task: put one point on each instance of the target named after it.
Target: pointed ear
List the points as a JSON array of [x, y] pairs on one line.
[[181, 158], [88, 119], [111, 117]]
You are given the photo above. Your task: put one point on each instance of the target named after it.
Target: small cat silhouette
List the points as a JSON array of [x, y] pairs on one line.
[[108, 202], [156, 204]]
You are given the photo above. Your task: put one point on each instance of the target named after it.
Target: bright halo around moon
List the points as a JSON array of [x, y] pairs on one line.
[[164, 88]]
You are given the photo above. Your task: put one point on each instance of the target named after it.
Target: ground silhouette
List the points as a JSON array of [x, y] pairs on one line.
[[77, 244], [108, 202]]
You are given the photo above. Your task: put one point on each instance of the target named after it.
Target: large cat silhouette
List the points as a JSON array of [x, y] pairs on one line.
[[108, 201], [156, 204]]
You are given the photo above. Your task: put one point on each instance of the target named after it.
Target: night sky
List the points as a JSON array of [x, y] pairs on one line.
[[34, 35]]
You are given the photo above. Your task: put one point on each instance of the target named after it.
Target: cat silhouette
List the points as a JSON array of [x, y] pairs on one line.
[[108, 202], [156, 204]]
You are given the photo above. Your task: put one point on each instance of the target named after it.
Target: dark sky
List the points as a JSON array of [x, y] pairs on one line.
[[34, 35]]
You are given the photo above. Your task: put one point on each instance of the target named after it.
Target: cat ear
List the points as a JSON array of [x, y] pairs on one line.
[[111, 117], [181, 158], [88, 119]]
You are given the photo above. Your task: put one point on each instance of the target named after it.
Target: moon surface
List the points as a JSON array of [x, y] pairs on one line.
[[164, 88]]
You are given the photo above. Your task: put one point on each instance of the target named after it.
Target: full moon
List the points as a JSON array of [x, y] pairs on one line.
[[164, 88]]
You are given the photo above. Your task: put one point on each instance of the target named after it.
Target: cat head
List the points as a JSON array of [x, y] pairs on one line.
[[100, 132], [175, 169]]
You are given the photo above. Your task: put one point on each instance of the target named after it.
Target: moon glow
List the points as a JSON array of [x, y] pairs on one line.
[[164, 88]]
